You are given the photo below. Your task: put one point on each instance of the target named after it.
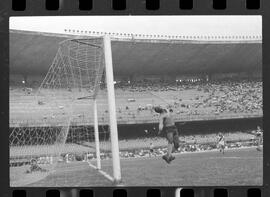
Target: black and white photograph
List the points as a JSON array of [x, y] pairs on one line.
[[100, 101]]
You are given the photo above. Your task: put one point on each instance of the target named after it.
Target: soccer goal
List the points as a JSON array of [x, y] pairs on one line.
[[70, 123]]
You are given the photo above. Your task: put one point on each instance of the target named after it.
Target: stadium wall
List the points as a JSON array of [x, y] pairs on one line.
[[33, 81], [132, 131], [190, 128]]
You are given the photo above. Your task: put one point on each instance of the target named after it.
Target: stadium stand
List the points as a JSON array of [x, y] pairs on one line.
[[188, 100]]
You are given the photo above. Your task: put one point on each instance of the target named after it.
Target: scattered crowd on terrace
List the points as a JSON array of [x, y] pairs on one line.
[[215, 97]]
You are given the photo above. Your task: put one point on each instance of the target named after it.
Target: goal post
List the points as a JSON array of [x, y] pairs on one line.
[[112, 109], [67, 119], [96, 134]]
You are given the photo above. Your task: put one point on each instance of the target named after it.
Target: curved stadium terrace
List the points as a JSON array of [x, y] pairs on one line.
[[33, 52], [138, 59]]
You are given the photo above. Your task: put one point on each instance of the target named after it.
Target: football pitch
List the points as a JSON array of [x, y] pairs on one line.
[[236, 167]]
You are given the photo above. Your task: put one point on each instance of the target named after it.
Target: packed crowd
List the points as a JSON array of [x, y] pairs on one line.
[[230, 96]]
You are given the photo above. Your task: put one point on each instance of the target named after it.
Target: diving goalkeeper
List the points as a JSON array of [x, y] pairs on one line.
[[167, 126]]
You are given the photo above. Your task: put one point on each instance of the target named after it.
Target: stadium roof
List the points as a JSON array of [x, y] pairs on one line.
[[33, 53]]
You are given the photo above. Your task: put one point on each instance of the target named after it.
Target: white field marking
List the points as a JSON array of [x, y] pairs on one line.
[[217, 157], [120, 185], [102, 172], [215, 150], [185, 153], [232, 157]]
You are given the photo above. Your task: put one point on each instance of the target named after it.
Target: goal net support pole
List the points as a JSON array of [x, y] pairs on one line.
[[112, 112], [96, 135]]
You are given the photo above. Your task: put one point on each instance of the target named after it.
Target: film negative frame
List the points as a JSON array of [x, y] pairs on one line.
[[138, 7]]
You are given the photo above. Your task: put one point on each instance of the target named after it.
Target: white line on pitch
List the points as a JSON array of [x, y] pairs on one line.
[[232, 157], [102, 172]]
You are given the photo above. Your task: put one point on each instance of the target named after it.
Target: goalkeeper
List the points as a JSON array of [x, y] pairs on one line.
[[34, 167], [167, 126]]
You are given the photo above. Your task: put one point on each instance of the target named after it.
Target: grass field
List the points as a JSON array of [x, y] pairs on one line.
[[236, 167]]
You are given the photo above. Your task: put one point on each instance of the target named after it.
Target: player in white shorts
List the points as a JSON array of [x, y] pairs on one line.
[[259, 137], [221, 143]]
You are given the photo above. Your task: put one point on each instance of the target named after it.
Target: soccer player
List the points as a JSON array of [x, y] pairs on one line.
[[167, 126], [34, 167], [151, 150], [259, 137], [221, 143]]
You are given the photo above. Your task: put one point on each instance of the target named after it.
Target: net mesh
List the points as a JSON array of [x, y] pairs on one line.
[[57, 127]]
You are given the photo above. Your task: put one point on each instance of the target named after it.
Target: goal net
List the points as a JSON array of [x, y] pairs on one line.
[[69, 125]]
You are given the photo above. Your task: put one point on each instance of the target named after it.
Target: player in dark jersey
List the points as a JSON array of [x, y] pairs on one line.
[[151, 150], [167, 126], [34, 167]]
